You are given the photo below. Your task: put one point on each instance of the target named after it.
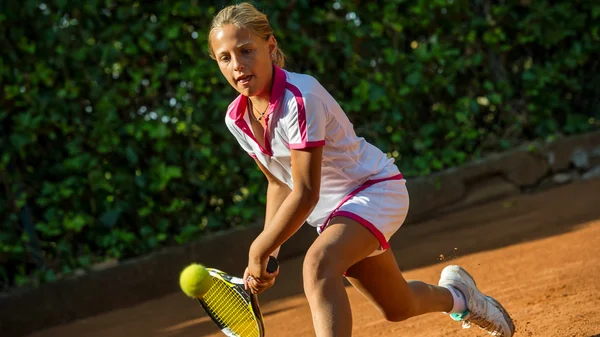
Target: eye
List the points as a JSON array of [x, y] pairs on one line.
[[246, 51], [224, 58]]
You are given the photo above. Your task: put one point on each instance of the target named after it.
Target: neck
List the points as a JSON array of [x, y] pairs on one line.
[[259, 101], [262, 99]]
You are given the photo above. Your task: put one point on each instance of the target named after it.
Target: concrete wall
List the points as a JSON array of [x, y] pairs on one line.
[[530, 168]]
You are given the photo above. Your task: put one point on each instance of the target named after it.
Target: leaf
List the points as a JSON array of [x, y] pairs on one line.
[[413, 78], [19, 140], [75, 223], [131, 155], [172, 32], [111, 217]]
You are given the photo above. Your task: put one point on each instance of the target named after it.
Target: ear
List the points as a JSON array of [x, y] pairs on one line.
[[272, 44]]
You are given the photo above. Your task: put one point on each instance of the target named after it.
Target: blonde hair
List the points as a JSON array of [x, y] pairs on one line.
[[245, 15]]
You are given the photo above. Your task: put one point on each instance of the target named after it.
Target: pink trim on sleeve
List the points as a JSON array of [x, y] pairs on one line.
[[305, 145]]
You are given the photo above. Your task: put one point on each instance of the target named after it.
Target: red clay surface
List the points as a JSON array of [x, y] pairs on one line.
[[539, 255]]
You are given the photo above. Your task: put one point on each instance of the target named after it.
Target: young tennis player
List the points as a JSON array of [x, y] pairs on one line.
[[321, 172]]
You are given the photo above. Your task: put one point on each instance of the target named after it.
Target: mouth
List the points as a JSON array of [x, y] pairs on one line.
[[244, 79]]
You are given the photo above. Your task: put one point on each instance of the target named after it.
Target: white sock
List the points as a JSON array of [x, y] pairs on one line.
[[460, 302]]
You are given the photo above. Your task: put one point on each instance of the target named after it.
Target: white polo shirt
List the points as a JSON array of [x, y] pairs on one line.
[[303, 114]]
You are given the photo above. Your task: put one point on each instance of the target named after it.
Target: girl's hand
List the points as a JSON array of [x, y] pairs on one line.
[[256, 277]]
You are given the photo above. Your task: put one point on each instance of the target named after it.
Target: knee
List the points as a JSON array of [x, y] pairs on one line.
[[319, 269], [400, 311], [398, 314]]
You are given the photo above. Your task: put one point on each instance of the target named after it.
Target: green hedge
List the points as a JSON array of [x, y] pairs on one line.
[[112, 136]]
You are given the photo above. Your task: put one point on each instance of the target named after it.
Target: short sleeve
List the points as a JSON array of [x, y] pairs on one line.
[[307, 121], [240, 137]]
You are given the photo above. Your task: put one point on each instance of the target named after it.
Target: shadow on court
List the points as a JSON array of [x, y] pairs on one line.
[[204, 324]]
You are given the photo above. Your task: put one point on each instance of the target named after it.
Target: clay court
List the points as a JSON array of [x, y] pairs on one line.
[[538, 254]]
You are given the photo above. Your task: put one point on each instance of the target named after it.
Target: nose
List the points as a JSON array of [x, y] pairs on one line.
[[237, 65]]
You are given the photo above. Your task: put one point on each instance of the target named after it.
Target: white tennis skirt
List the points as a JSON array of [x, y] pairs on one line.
[[380, 205]]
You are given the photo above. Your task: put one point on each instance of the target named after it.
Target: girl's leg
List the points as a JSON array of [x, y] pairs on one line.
[[380, 280], [345, 246], [344, 243]]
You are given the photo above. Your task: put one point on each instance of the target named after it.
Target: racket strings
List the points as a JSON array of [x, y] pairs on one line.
[[231, 310]]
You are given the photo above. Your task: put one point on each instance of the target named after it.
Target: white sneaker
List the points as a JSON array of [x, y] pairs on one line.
[[482, 310]]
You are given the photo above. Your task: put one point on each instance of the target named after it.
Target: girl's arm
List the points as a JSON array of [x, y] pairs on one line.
[[293, 211], [277, 192]]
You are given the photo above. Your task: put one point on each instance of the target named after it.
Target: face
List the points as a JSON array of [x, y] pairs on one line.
[[244, 59]]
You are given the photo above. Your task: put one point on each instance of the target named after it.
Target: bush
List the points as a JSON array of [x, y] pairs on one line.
[[112, 134]]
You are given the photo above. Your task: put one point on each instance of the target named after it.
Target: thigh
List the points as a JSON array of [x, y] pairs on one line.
[[380, 280], [342, 244]]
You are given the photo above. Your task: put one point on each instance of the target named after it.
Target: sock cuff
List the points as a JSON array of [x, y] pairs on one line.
[[459, 304]]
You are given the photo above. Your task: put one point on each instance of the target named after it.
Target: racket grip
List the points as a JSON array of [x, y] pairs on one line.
[[272, 265]]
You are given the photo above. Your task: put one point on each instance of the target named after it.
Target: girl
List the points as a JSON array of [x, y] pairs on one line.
[[321, 172]]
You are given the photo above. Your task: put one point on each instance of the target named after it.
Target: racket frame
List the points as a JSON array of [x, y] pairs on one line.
[[237, 282]]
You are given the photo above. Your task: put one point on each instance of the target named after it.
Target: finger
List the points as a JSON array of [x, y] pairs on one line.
[[252, 282], [265, 280], [261, 286], [253, 285], [270, 276], [245, 278], [274, 274]]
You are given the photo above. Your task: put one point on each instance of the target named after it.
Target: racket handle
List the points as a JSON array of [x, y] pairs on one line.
[[272, 265]]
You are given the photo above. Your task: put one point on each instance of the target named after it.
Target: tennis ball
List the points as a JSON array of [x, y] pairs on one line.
[[195, 280]]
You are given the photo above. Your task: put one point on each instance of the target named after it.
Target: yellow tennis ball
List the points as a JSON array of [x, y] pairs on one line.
[[195, 280]]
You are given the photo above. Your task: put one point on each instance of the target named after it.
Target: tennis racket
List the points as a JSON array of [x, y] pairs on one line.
[[235, 310]]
